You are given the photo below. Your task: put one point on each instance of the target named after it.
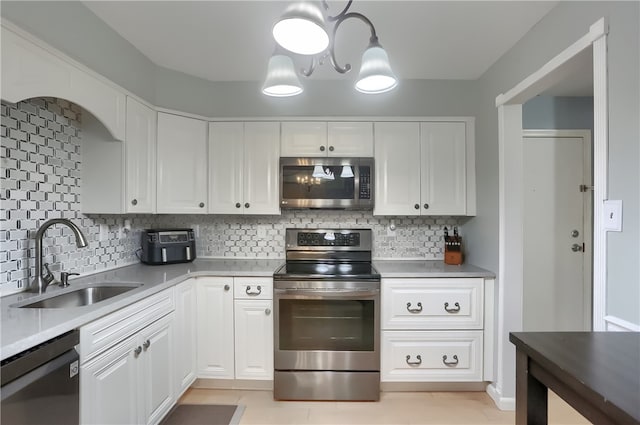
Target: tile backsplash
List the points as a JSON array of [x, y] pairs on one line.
[[41, 163]]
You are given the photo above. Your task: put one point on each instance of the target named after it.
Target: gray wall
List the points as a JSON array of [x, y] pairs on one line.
[[76, 31], [558, 112], [559, 29]]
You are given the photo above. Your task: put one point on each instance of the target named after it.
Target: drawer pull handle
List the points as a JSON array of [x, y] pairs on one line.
[[146, 345], [253, 293], [414, 310], [452, 310], [450, 364], [137, 351], [416, 363]]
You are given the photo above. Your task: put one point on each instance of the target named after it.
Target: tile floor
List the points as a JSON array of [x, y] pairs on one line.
[[393, 408]]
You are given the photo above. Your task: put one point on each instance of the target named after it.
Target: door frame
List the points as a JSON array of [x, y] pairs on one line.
[[510, 196], [587, 210]]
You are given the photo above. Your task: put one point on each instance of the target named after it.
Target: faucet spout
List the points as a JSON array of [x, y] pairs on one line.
[[39, 283]]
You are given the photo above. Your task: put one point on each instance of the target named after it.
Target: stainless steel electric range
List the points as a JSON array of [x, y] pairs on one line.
[[327, 317]]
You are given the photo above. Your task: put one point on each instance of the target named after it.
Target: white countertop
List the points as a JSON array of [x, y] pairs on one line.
[[23, 328], [428, 268]]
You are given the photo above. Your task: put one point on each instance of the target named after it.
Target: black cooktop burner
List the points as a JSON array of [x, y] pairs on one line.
[[333, 270]]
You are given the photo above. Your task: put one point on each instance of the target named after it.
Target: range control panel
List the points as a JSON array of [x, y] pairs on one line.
[[328, 239]]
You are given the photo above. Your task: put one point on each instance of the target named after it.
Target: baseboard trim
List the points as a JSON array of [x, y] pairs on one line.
[[503, 403], [431, 386], [617, 324], [233, 384]]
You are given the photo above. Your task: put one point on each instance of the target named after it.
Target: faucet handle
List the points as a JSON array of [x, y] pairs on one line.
[[49, 277], [64, 278]]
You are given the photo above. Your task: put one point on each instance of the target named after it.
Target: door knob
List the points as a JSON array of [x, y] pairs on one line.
[[575, 233], [576, 247]]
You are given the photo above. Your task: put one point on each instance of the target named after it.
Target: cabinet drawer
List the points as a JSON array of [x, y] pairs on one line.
[[447, 303], [253, 288], [109, 330], [420, 356]]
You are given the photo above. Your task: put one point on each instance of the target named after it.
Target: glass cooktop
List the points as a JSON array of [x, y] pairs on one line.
[[319, 269]]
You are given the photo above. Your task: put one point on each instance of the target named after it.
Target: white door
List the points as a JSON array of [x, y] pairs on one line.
[[304, 138], [226, 146], [156, 364], [182, 164], [215, 327], [185, 336], [261, 172], [353, 139], [397, 162], [254, 339], [557, 231], [109, 391], [444, 168], [140, 153]]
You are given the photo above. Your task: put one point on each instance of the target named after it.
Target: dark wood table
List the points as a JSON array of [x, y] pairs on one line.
[[597, 373]]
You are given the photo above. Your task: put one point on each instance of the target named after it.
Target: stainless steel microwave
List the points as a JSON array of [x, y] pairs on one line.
[[326, 183]]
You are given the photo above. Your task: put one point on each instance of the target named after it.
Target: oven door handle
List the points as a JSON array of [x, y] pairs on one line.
[[343, 293]]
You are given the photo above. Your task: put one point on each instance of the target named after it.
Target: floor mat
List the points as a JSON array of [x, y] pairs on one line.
[[204, 414]]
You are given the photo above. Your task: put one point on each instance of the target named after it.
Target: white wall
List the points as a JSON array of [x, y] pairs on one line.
[[560, 28]]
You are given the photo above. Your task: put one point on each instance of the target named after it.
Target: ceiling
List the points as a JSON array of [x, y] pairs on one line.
[[231, 40]]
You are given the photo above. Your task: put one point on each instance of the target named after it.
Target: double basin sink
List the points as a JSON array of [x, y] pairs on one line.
[[83, 296]]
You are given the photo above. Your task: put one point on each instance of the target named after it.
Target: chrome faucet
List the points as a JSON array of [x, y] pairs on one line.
[[39, 283]]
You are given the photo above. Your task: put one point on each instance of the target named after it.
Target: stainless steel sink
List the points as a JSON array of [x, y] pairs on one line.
[[82, 297]]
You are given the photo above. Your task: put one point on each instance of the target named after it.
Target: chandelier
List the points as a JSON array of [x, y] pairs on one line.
[[302, 30]]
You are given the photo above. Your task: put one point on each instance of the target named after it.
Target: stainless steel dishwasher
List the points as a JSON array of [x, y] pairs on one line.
[[42, 385]]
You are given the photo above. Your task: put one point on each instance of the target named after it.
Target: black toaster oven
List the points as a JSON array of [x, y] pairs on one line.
[[167, 246]]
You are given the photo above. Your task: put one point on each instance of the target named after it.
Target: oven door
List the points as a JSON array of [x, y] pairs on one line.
[[327, 329]]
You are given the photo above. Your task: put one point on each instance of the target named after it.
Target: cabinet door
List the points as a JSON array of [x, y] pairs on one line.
[[443, 158], [215, 327], [254, 339], [397, 162], [185, 336], [140, 157], [182, 164], [156, 370], [353, 139], [261, 171], [304, 138], [109, 386], [226, 146]]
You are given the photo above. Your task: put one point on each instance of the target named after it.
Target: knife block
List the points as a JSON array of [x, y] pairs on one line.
[[453, 250]]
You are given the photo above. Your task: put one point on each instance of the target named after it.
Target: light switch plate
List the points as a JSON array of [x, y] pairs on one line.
[[612, 215]]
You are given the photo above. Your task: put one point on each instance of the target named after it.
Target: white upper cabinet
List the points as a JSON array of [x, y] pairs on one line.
[[182, 164], [443, 185], [140, 157], [352, 139], [243, 159], [397, 162], [320, 139], [425, 168], [303, 138], [29, 70]]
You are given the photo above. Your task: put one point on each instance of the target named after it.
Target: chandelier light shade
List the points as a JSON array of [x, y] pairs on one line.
[[301, 29], [346, 172], [376, 75], [282, 80]]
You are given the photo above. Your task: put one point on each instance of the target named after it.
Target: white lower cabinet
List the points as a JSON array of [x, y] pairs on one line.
[[434, 330], [130, 383], [215, 327], [127, 364], [235, 336], [185, 336]]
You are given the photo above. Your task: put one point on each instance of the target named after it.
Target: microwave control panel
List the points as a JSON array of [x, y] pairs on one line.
[[365, 182]]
